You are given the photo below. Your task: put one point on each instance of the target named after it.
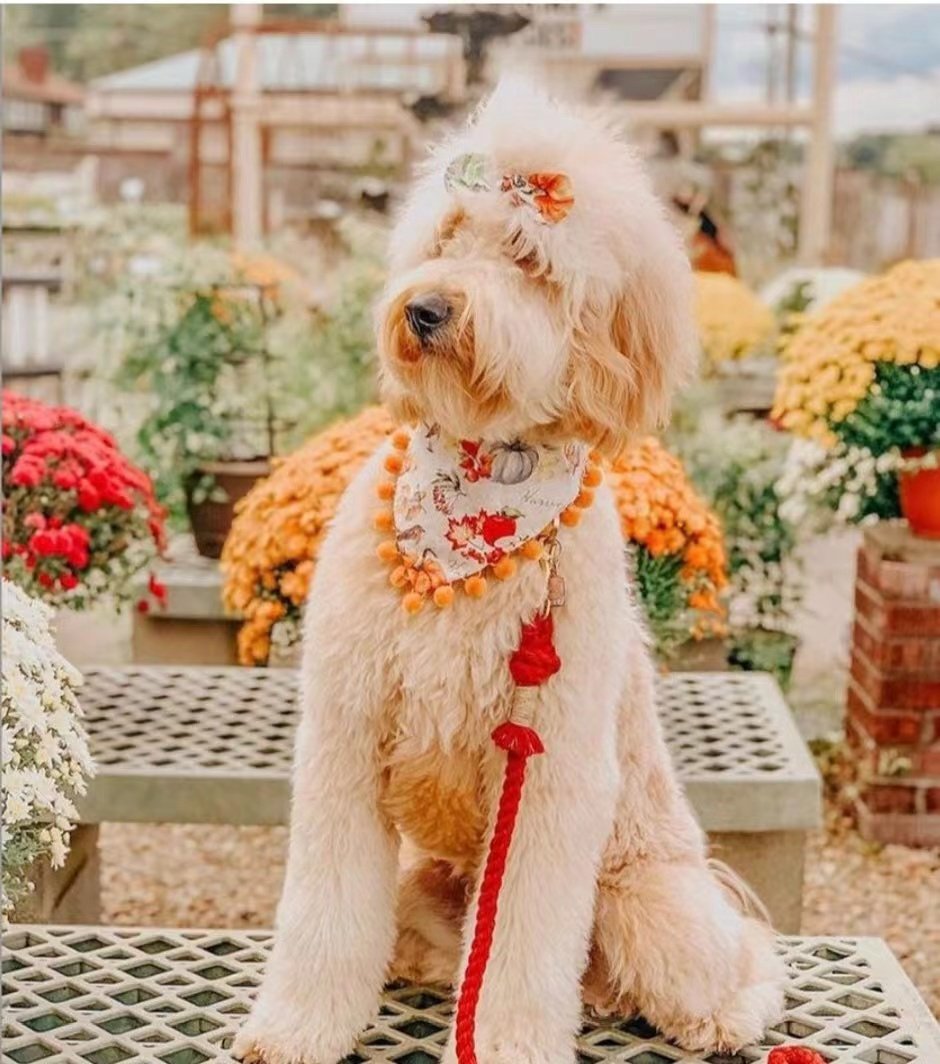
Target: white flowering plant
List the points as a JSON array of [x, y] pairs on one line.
[[845, 484], [736, 463], [45, 756]]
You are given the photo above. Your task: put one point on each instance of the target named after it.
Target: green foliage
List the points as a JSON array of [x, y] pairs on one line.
[[335, 354], [190, 368], [663, 596], [756, 650], [901, 155], [901, 410]]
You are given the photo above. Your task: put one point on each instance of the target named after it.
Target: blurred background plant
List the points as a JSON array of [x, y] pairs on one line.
[[736, 463]]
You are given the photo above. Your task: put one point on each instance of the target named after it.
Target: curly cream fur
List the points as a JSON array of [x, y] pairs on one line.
[[581, 328]]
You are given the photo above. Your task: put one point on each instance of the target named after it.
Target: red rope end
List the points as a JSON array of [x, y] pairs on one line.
[[795, 1055], [518, 739]]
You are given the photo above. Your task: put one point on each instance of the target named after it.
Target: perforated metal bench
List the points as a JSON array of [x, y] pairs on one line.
[[214, 745], [105, 995]]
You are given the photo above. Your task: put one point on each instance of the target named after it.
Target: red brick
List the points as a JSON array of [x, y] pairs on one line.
[[917, 829], [902, 580], [905, 654], [932, 799], [886, 616], [913, 691], [890, 797], [926, 762], [883, 726]]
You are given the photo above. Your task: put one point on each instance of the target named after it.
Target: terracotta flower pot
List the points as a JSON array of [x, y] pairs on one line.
[[211, 519], [920, 498]]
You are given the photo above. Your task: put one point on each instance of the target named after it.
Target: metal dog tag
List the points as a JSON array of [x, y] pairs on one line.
[[556, 590]]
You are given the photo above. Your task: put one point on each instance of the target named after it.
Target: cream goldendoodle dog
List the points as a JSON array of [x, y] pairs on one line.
[[538, 305]]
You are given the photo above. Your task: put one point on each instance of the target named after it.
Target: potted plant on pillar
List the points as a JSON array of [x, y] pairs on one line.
[[210, 427], [860, 382]]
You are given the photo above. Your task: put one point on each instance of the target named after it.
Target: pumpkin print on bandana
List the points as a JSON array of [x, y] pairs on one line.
[[462, 505]]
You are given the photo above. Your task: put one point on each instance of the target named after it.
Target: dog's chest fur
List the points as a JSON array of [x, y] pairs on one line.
[[440, 769]]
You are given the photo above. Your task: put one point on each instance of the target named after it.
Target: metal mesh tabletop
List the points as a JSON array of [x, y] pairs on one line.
[[105, 995], [214, 745]]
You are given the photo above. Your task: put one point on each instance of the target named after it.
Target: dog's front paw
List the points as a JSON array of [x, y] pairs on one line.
[[262, 1043]]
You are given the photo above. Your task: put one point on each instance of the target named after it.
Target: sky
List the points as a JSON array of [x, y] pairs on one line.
[[888, 70]]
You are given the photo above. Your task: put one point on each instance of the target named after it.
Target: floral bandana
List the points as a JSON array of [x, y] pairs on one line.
[[465, 504], [549, 195]]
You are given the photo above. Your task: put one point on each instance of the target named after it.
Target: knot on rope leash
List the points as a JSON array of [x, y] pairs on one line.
[[533, 662]]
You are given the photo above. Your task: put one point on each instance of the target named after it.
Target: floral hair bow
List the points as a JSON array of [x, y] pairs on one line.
[[549, 195]]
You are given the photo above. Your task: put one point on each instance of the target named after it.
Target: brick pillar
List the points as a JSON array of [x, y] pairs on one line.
[[893, 711]]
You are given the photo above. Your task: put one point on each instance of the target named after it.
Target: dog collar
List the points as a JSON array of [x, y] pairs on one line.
[[462, 510]]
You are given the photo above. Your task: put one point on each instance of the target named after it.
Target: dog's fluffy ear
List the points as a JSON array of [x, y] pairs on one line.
[[631, 355]]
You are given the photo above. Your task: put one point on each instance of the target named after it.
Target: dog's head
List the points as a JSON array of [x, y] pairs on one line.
[[537, 286]]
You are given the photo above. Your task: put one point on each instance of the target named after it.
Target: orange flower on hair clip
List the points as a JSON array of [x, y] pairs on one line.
[[549, 194]]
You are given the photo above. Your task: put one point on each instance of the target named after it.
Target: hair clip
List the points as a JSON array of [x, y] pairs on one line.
[[548, 194]]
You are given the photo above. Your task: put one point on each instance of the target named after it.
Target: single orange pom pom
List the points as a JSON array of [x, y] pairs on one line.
[[504, 568], [443, 596], [593, 476], [398, 577], [385, 490], [532, 549], [394, 463], [412, 602], [400, 439], [475, 586], [570, 517], [387, 551], [384, 521], [585, 498]]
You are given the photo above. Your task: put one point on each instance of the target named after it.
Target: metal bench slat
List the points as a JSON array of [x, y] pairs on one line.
[[104, 994], [214, 745]]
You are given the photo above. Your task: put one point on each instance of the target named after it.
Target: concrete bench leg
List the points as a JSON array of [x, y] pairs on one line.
[[71, 894], [772, 863]]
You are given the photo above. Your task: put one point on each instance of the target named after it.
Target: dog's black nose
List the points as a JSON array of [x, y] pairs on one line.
[[426, 314]]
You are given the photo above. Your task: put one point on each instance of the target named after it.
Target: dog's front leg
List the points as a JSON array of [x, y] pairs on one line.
[[335, 921], [530, 1005]]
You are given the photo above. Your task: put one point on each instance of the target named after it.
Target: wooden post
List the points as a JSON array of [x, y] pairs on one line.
[[816, 202], [247, 192]]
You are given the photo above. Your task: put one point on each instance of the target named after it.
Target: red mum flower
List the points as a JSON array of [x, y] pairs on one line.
[[27, 473], [157, 589]]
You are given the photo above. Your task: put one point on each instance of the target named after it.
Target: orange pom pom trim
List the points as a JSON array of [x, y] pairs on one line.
[[475, 586], [504, 568], [387, 551], [420, 580], [532, 549], [412, 602], [443, 596]]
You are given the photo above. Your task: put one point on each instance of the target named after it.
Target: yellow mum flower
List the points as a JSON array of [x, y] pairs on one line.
[[829, 362], [732, 321]]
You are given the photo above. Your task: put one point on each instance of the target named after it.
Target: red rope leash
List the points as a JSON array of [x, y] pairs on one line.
[[531, 665]]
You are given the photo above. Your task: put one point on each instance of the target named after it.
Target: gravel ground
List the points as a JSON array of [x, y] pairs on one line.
[[179, 876]]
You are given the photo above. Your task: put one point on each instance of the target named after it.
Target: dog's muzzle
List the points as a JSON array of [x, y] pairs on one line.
[[427, 314]]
